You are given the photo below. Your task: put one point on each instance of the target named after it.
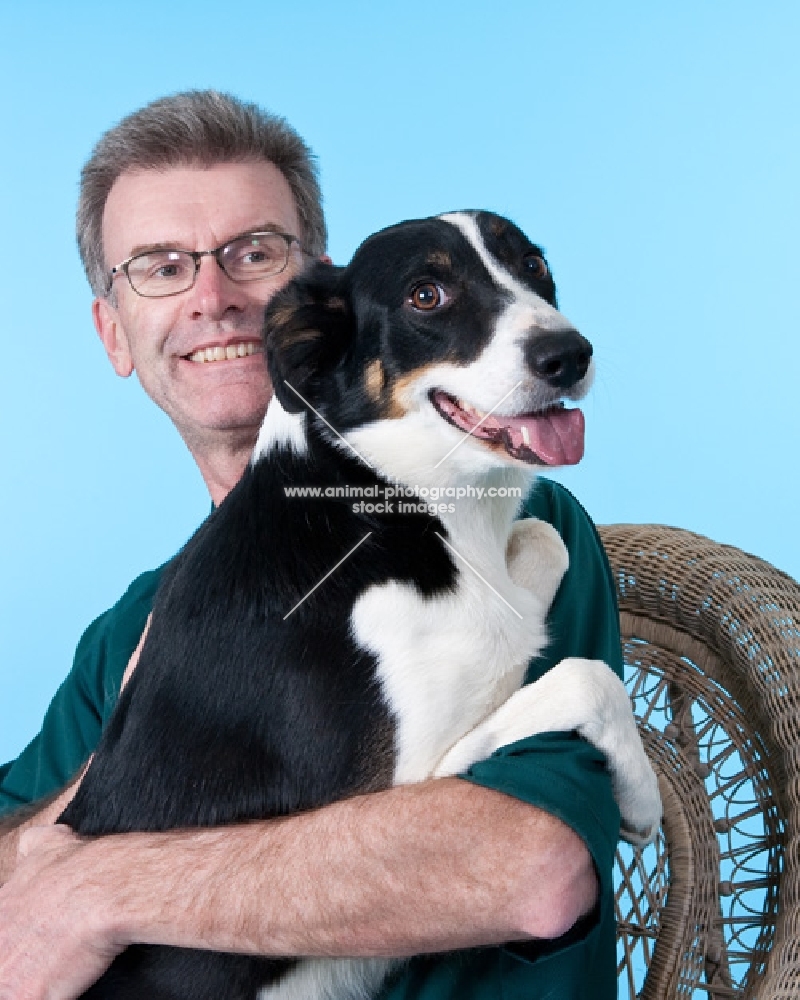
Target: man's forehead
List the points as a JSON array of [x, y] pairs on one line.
[[195, 207]]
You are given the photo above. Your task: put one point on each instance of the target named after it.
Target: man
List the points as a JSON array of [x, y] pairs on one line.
[[521, 852]]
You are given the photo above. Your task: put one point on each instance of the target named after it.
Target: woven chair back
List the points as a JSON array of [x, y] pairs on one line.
[[711, 639]]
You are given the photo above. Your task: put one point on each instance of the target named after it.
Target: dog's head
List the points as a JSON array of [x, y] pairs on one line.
[[438, 329]]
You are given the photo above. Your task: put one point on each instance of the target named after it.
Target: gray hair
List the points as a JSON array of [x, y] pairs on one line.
[[197, 127]]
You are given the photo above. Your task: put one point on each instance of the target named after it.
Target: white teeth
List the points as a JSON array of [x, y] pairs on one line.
[[526, 437], [229, 353]]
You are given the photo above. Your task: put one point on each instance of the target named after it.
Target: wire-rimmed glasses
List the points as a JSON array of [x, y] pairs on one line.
[[250, 257]]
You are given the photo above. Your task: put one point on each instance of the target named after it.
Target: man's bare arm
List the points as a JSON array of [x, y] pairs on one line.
[[423, 868], [430, 867]]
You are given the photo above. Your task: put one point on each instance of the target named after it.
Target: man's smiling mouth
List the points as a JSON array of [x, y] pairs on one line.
[[241, 350]]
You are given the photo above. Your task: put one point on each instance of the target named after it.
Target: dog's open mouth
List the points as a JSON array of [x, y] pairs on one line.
[[553, 436]]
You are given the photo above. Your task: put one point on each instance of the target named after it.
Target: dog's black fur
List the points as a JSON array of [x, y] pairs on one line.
[[235, 711]]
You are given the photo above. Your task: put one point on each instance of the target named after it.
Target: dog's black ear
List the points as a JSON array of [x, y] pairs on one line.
[[308, 327]]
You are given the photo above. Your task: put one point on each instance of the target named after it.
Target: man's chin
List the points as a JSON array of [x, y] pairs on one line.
[[221, 423]]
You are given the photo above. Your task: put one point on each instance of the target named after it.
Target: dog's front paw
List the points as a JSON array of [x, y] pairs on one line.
[[640, 806], [611, 727], [537, 558], [588, 697]]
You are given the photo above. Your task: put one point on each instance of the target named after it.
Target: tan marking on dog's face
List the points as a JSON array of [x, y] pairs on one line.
[[401, 392], [281, 316], [297, 337], [393, 409], [440, 257], [336, 304], [375, 379]]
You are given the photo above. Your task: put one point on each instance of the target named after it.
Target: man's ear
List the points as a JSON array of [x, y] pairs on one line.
[[308, 327], [111, 332]]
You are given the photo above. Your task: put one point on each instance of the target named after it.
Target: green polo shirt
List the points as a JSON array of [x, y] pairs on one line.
[[555, 771]]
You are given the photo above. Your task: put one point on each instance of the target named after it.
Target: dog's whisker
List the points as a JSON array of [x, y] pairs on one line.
[[324, 578], [473, 429], [482, 578], [316, 411]]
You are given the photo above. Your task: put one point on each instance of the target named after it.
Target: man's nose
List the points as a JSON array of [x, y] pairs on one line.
[[559, 357], [213, 292]]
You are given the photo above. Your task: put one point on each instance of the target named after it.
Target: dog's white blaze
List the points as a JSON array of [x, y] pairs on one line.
[[280, 429], [550, 318], [498, 368]]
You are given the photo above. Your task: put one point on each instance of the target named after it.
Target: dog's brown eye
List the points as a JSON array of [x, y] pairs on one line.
[[427, 296], [535, 266]]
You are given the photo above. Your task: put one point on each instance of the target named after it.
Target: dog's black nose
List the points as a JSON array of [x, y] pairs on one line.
[[561, 359]]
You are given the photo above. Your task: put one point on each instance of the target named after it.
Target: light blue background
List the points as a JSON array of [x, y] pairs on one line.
[[652, 148]]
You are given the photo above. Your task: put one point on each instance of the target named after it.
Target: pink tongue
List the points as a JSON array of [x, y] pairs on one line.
[[555, 436]]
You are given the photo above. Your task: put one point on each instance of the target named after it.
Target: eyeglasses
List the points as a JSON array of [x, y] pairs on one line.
[[156, 273]]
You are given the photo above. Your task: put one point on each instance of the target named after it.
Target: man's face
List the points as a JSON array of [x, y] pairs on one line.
[[194, 208]]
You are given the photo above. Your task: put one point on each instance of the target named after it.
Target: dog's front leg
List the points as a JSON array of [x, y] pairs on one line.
[[588, 697]]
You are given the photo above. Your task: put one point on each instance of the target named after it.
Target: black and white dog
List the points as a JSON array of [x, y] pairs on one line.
[[269, 684]]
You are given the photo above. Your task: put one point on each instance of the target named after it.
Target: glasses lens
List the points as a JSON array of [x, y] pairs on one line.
[[254, 256], [161, 272]]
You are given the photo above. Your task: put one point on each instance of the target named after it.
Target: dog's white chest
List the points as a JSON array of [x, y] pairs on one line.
[[445, 663]]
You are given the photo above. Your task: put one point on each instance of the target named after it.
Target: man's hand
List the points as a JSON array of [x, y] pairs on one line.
[[53, 944]]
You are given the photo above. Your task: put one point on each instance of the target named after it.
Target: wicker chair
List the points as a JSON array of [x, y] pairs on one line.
[[712, 649]]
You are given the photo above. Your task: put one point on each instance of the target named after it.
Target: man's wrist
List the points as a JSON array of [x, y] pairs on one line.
[[160, 888]]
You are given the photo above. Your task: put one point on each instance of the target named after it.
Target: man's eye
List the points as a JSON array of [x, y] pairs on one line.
[[256, 256], [160, 267], [252, 253], [253, 257], [427, 296], [166, 271], [535, 266]]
